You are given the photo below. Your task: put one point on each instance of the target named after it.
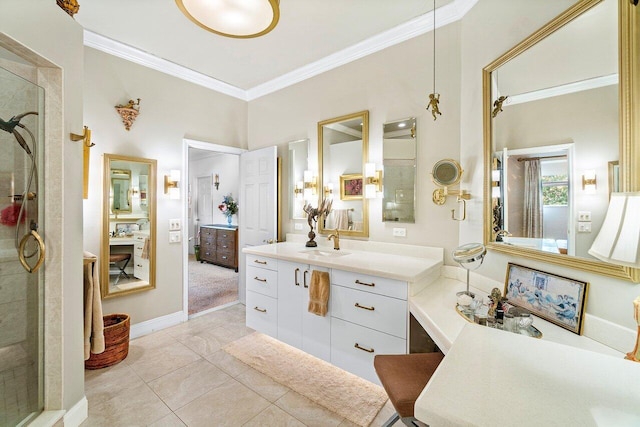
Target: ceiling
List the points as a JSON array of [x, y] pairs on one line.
[[311, 37]]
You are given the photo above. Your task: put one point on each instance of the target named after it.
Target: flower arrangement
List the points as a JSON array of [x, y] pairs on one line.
[[228, 206]]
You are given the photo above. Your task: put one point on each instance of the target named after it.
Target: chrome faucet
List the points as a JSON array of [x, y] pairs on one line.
[[500, 234], [336, 240]]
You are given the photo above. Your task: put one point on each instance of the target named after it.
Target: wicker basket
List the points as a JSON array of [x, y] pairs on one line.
[[116, 342]]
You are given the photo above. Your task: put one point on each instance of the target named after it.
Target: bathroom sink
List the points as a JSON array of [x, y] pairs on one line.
[[330, 253]]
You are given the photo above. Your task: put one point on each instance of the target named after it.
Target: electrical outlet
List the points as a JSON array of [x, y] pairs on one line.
[[584, 215], [399, 232], [297, 226], [584, 227], [174, 224], [174, 237]]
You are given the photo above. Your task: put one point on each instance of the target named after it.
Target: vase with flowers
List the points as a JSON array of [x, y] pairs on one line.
[[228, 207]]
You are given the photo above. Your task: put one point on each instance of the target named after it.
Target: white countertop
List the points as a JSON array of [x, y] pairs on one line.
[[491, 377], [392, 266], [434, 309]]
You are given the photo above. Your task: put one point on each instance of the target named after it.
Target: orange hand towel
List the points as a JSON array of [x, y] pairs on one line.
[[319, 293]]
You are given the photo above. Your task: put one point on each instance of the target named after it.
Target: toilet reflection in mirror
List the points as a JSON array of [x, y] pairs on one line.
[[128, 230]]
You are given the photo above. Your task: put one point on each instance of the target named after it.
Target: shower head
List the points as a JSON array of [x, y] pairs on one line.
[[10, 126]]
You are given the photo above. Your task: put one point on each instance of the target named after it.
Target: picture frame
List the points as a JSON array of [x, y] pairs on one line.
[[557, 299], [351, 187], [126, 228]]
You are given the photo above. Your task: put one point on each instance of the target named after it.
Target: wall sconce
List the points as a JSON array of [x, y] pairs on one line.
[[216, 180], [310, 185], [373, 181], [298, 190], [328, 191], [171, 184], [495, 184], [589, 181]]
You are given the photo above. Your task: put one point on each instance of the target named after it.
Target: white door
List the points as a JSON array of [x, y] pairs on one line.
[[257, 210], [204, 204]]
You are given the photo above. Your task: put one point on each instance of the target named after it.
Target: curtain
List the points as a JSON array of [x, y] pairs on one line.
[[532, 221]]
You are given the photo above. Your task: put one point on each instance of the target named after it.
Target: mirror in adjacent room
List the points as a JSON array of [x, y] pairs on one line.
[[550, 127], [399, 161], [298, 161], [128, 225], [343, 146]]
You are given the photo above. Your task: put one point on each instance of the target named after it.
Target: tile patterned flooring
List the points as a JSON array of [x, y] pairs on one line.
[[180, 376]]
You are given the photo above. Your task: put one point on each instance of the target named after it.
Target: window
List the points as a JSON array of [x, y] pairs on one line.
[[555, 190]]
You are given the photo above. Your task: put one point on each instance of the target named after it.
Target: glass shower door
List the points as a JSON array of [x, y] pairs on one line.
[[21, 227]]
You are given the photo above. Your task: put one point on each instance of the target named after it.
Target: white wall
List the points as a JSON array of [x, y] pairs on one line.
[[170, 110], [392, 84]]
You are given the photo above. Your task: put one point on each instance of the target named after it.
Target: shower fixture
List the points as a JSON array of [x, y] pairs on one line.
[[21, 244]]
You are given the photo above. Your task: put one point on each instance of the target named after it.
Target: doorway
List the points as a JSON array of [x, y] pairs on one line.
[[211, 274]]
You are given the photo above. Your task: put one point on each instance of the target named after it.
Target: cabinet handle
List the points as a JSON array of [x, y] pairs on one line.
[[224, 257], [304, 277], [358, 282], [259, 280], [260, 262], [261, 310], [365, 307], [368, 350], [139, 265], [295, 275]]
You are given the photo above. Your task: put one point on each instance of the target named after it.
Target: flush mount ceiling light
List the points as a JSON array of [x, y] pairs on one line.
[[241, 19]]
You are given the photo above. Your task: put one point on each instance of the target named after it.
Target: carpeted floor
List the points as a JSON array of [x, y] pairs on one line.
[[210, 286], [348, 395]]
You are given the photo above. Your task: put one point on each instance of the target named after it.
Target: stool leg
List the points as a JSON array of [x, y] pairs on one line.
[[391, 421]]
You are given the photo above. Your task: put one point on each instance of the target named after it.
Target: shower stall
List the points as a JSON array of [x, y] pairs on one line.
[[22, 250]]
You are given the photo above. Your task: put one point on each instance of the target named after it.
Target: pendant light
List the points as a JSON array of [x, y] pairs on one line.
[[232, 18]]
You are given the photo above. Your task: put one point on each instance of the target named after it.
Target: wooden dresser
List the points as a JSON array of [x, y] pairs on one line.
[[219, 245]]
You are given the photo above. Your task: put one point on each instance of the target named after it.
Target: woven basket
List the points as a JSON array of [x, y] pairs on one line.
[[116, 342]]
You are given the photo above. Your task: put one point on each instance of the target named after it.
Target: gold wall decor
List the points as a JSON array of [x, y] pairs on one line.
[[129, 112], [69, 6]]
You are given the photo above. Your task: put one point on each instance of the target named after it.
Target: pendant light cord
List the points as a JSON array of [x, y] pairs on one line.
[[434, 46]]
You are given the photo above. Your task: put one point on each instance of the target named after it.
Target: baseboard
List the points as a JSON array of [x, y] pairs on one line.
[[157, 324], [77, 413]]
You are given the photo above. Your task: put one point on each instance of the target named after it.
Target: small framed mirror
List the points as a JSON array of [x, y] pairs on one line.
[[129, 225], [399, 161]]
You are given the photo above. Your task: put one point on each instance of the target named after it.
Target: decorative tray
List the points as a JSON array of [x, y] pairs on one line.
[[530, 331]]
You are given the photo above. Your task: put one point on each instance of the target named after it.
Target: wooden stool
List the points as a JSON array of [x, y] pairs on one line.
[[403, 377], [115, 259]]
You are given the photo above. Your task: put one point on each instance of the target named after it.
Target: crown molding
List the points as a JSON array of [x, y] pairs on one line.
[[423, 24], [148, 60], [587, 84]]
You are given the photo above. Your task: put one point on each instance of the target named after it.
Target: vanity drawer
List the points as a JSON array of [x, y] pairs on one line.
[[353, 347], [262, 313], [262, 262], [141, 268], [262, 281], [364, 282], [374, 311]]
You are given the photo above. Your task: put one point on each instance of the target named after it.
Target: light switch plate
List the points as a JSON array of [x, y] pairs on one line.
[[584, 215], [174, 237], [584, 227], [174, 224]]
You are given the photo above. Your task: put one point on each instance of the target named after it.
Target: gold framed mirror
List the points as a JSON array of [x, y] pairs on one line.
[[567, 133], [128, 237], [343, 147]]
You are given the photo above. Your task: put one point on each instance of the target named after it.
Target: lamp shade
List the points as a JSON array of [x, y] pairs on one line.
[[619, 239]]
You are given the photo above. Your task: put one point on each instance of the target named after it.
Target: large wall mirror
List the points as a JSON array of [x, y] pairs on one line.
[[343, 147], [298, 164], [128, 225], [551, 129], [399, 161]]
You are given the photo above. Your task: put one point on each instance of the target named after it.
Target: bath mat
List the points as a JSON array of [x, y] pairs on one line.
[[341, 392]]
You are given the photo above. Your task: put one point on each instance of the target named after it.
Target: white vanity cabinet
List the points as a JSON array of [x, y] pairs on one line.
[[262, 294], [296, 326], [140, 261], [369, 316]]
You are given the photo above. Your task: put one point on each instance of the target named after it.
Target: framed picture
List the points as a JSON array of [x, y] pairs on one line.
[[351, 187], [558, 299], [126, 228]]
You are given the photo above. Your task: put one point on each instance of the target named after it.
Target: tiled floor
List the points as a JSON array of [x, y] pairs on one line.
[[181, 377]]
